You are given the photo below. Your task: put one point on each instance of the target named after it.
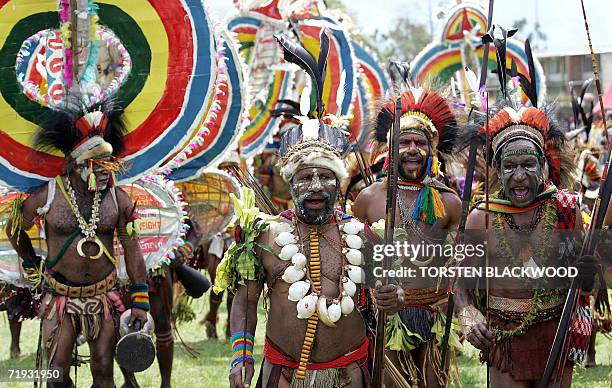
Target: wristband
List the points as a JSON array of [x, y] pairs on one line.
[[140, 296], [186, 250], [241, 341]]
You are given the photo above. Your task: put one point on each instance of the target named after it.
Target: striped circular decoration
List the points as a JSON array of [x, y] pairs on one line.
[[209, 201], [442, 58], [465, 17], [170, 45], [223, 119], [361, 112], [372, 84], [161, 221], [369, 64], [267, 84], [340, 58], [278, 84]]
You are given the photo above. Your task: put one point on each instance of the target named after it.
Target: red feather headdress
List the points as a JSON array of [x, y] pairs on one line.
[[429, 107]]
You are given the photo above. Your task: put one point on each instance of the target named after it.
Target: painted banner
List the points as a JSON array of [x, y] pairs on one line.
[[170, 47]]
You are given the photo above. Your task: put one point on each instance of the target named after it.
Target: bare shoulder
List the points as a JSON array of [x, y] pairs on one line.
[[123, 199], [451, 199], [38, 197], [370, 192], [476, 219]]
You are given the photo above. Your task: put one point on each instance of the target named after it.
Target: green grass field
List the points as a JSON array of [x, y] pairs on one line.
[[209, 369]]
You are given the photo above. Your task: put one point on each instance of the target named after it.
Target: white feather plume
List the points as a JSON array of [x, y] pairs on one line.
[[341, 92], [305, 100], [472, 79]]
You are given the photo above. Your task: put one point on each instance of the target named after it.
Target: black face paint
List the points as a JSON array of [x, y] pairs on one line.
[[521, 173], [314, 192]]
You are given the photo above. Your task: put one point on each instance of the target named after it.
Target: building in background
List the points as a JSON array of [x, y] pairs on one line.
[[561, 68]]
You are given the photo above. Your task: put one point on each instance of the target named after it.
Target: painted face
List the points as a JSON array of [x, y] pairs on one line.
[[521, 174], [314, 191], [102, 174], [413, 153]]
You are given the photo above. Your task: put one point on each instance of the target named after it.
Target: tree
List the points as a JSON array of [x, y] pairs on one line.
[[536, 37], [403, 41]]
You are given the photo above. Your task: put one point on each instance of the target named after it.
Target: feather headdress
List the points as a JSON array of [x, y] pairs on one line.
[[425, 105], [85, 135], [69, 128], [510, 120], [313, 142]]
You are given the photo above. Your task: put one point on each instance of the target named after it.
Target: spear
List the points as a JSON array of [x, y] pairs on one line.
[[596, 72], [469, 177], [381, 322], [592, 237]]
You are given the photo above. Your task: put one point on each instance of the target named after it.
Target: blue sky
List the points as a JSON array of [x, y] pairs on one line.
[[561, 20]]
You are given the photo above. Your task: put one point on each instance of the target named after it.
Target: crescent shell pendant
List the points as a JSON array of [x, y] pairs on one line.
[[95, 241]]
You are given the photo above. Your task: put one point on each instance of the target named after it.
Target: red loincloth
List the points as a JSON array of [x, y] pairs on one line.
[[524, 356], [281, 361]]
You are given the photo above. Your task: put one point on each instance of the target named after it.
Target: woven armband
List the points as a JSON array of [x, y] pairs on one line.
[[140, 296], [186, 250], [242, 348]]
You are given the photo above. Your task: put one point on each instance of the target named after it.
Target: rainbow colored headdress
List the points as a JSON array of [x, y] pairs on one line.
[[422, 105]]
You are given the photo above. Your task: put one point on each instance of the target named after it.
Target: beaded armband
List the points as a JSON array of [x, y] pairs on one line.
[[186, 250], [140, 296], [242, 348]]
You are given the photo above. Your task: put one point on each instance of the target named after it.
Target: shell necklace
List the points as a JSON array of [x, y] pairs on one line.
[[307, 292], [87, 229]]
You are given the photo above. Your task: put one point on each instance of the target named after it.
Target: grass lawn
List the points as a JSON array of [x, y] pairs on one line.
[[209, 369]]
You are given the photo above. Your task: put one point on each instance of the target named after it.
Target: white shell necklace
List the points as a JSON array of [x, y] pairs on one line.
[[308, 299], [88, 229]]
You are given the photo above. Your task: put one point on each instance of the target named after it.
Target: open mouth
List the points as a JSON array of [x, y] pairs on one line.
[[315, 203], [520, 192]]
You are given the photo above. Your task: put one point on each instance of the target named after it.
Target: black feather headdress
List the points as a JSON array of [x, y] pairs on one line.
[[297, 54], [59, 130], [582, 108], [313, 142]]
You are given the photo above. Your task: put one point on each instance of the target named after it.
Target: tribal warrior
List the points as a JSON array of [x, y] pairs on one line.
[[427, 211], [311, 262], [529, 218], [81, 210]]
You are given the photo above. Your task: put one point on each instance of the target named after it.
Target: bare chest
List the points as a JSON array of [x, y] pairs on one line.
[[61, 219], [328, 242]]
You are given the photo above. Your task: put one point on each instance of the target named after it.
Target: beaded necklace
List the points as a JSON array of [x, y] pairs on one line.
[[540, 296], [311, 303]]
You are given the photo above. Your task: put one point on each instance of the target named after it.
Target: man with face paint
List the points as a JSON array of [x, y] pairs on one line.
[[266, 164], [82, 210], [515, 329], [426, 210], [319, 312]]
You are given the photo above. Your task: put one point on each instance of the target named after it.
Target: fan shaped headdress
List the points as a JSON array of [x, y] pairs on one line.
[[313, 143], [424, 110]]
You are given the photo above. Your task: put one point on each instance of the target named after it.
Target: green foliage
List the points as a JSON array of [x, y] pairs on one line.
[[210, 368], [403, 41]]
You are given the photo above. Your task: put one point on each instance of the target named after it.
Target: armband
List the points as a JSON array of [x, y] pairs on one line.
[[242, 348], [140, 296], [186, 250]]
